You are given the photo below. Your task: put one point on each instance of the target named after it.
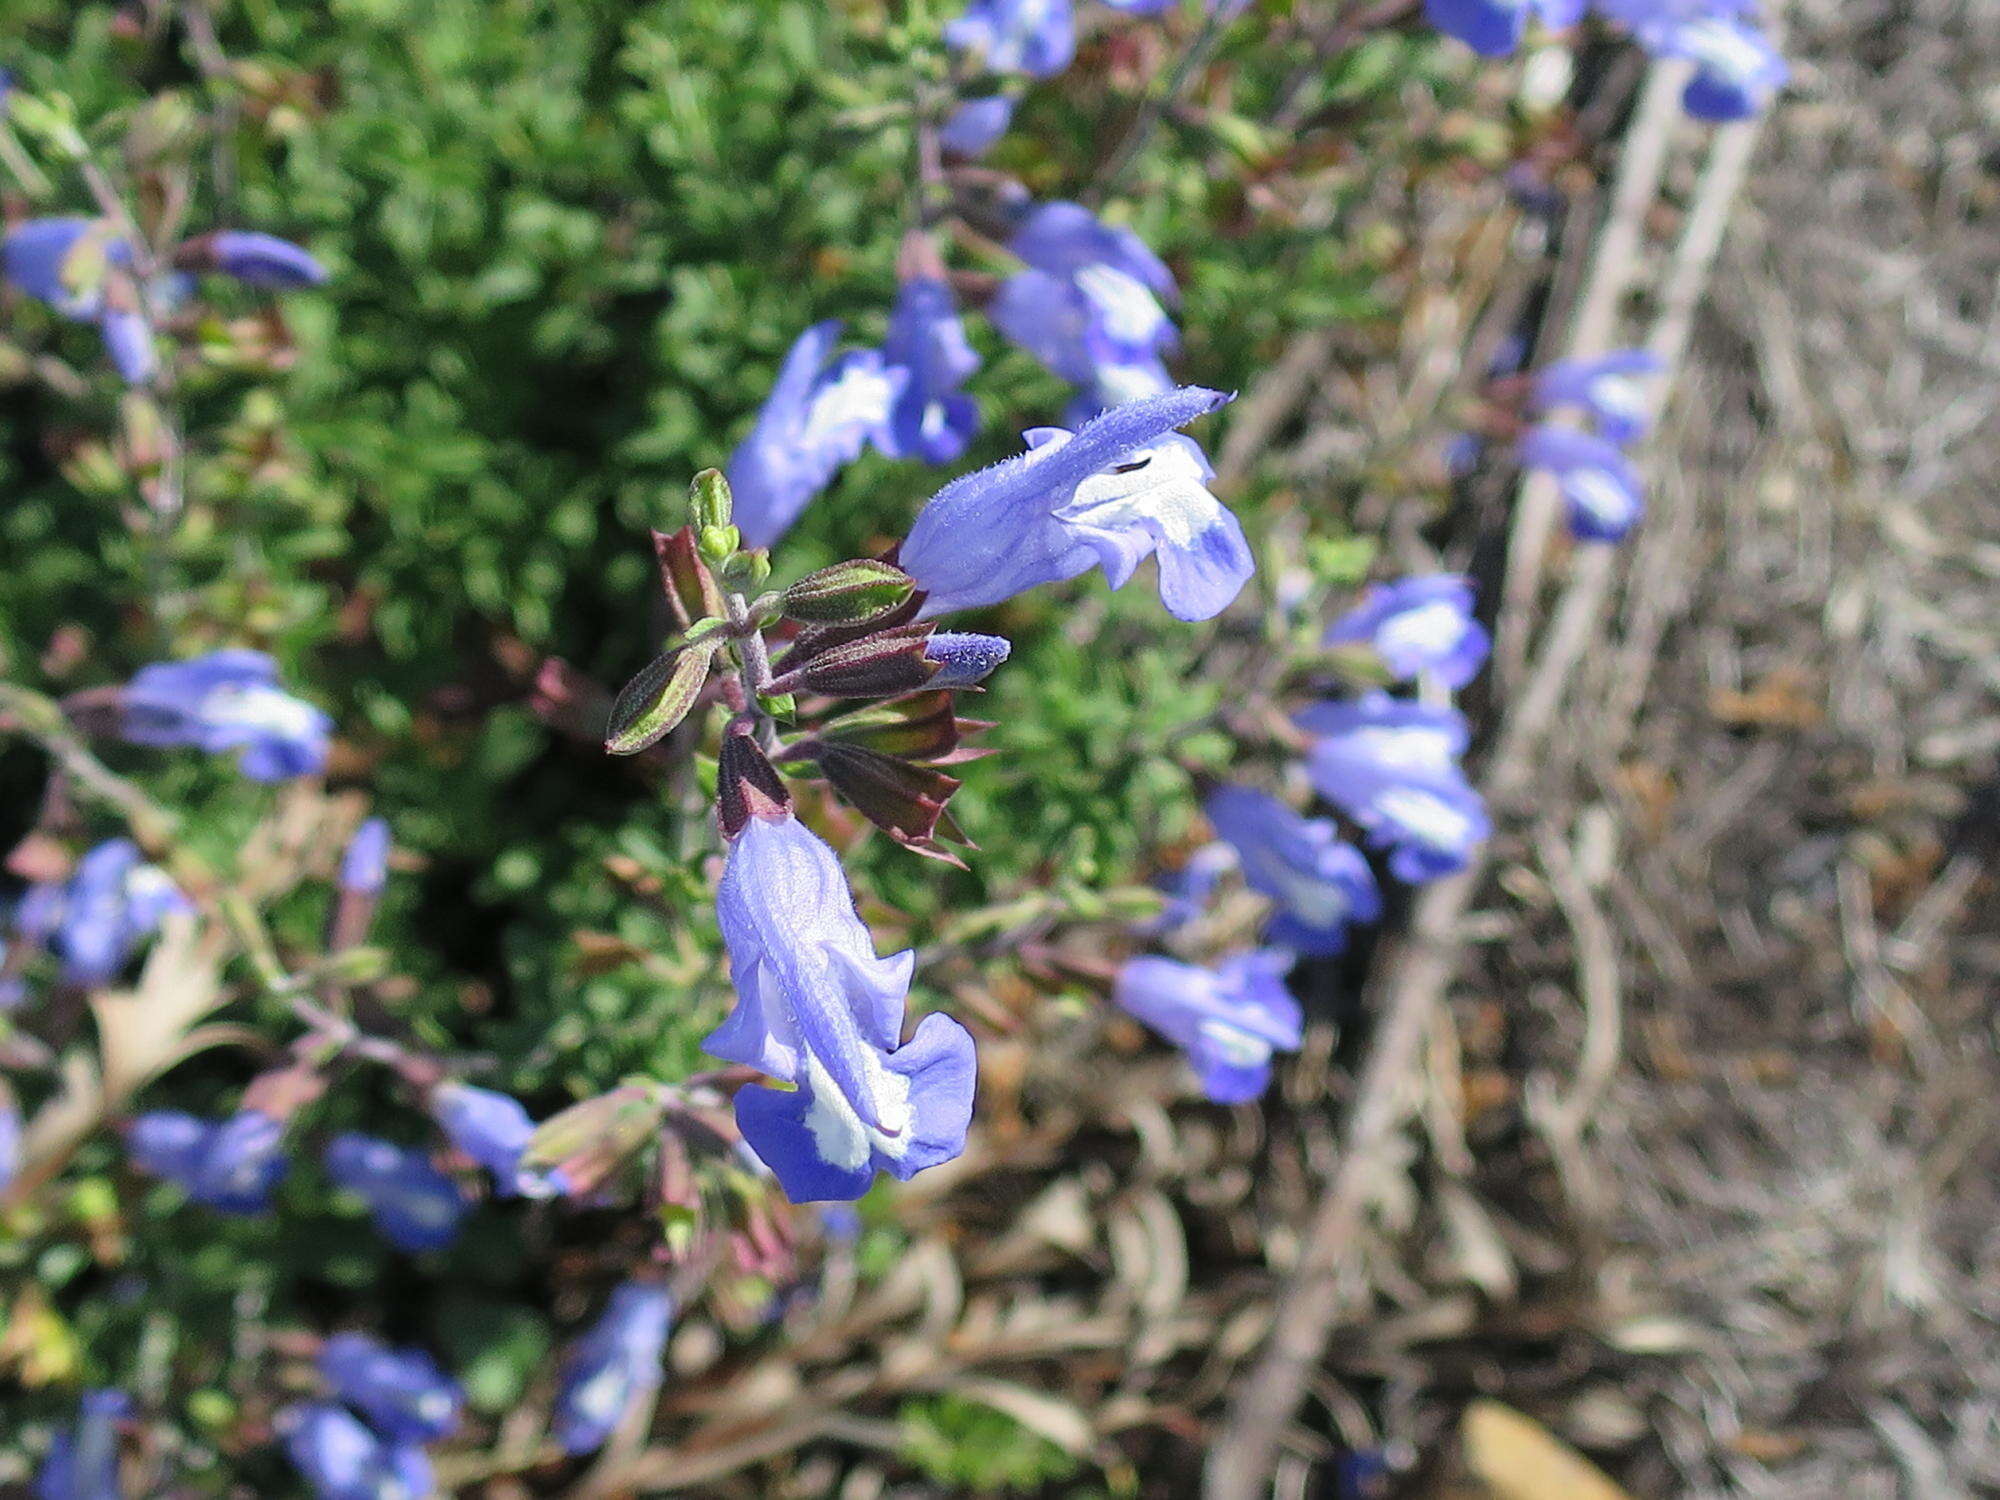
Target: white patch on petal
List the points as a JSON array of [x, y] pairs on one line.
[[1599, 494], [1432, 629], [1165, 494], [840, 1138], [601, 1398], [1719, 47], [259, 708], [858, 400], [1619, 396], [1234, 1046], [1426, 816], [1406, 748], [1126, 309]]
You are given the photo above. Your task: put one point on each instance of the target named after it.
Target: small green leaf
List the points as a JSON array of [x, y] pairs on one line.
[[655, 701]]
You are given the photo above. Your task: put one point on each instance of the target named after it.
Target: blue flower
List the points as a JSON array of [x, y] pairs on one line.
[[364, 867], [1116, 385], [976, 125], [1122, 487], [402, 1392], [965, 658], [1737, 70], [493, 1130], [342, 1460], [930, 420], [111, 903], [1610, 388], [1418, 625], [1229, 1019], [1189, 889], [820, 413], [611, 1364], [50, 259], [1319, 881], [414, 1205], [229, 1165], [1494, 28], [817, 1008], [83, 1463], [1090, 300], [1036, 37], [1599, 485], [253, 258], [1393, 768], [10, 1138], [227, 700]]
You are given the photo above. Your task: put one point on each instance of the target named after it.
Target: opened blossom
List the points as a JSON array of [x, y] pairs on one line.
[[1229, 1019], [976, 125], [402, 1392], [493, 1129], [1600, 488], [415, 1207], [1416, 626], [1120, 489], [822, 410], [341, 1458], [227, 701], [95, 921], [1318, 881], [1091, 299], [819, 1009], [1494, 28], [1610, 389], [617, 1360], [229, 1165], [931, 419], [1393, 767], [1036, 37]]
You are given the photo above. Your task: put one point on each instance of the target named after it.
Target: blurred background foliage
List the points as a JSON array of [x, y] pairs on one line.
[[570, 240]]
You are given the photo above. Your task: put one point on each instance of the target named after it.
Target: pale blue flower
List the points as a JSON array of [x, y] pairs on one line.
[[817, 1008], [1393, 768], [364, 866], [1611, 389], [1494, 28], [1599, 486], [1229, 1019], [227, 700], [251, 257], [931, 419], [82, 1463], [964, 658], [1091, 298], [402, 1392], [1123, 487], [617, 1360], [1320, 882], [340, 1458], [976, 125], [1036, 37], [95, 921], [229, 1165], [493, 1130], [820, 414], [415, 1207], [1418, 625]]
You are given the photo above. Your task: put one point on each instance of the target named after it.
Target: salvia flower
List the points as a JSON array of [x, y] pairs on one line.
[[113, 901], [493, 1129], [1229, 1019], [1418, 625], [1611, 389], [340, 1458], [931, 419], [1189, 889], [1036, 37], [1494, 28], [1600, 488], [227, 701], [617, 1360], [1120, 488], [415, 1206], [1737, 70], [1393, 768], [403, 1394], [83, 271], [229, 1165], [82, 1463], [820, 414], [817, 1007], [1091, 298], [976, 125], [1320, 882], [364, 865]]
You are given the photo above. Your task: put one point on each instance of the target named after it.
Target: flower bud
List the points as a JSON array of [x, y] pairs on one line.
[[690, 588], [710, 502], [848, 593], [653, 704], [963, 658]]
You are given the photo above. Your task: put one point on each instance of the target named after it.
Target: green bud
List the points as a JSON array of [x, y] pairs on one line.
[[746, 571], [709, 500], [358, 965], [849, 593], [50, 120], [717, 544], [783, 706]]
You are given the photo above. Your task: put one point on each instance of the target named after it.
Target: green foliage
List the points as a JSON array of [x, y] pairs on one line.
[[960, 1442]]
